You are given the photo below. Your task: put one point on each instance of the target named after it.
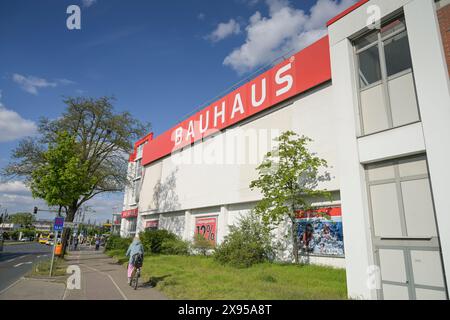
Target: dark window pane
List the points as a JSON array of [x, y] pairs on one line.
[[366, 40], [398, 56], [393, 27], [369, 66]]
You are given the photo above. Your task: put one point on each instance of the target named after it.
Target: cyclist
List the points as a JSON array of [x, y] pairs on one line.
[[136, 248]]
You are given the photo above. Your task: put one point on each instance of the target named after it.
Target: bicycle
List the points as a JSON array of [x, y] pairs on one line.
[[137, 260], [135, 278]]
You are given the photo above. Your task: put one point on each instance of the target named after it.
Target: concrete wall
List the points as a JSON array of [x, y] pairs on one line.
[[219, 170], [212, 178], [433, 94], [431, 135]]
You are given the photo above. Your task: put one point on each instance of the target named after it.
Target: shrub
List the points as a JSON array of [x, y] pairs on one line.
[[28, 233], [175, 247], [247, 244], [152, 240], [117, 243], [201, 244], [6, 235]]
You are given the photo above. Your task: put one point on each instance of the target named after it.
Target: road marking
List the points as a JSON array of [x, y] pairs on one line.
[[11, 260], [43, 255], [22, 263], [104, 273], [11, 285]]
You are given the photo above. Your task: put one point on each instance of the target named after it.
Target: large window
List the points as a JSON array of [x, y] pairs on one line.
[[138, 169], [401, 200], [385, 77]]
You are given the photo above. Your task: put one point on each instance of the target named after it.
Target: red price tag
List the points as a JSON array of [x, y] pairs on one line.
[[207, 228]]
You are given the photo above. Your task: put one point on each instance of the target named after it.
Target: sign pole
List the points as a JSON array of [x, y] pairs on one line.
[[53, 254], [57, 226]]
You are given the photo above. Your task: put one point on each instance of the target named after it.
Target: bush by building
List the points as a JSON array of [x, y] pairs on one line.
[[247, 244], [117, 243], [176, 247], [201, 245], [153, 240]]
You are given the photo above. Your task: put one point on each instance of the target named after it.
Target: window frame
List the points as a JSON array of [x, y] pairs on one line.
[[397, 180], [385, 79]]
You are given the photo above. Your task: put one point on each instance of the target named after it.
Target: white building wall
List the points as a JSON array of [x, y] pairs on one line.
[[431, 135], [215, 181], [433, 94], [212, 178]]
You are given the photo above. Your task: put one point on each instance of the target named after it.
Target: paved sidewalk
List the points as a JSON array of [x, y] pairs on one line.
[[34, 289], [101, 279]]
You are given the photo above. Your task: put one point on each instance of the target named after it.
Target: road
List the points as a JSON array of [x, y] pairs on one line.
[[16, 260]]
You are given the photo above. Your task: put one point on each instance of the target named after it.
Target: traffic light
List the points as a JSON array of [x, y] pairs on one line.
[[35, 210]]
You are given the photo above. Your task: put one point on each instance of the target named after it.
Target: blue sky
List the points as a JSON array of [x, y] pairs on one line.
[[160, 59]]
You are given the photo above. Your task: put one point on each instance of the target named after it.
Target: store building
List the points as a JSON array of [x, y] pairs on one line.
[[374, 95]]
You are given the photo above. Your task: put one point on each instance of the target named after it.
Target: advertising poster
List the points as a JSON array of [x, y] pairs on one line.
[[320, 232], [207, 227], [152, 224]]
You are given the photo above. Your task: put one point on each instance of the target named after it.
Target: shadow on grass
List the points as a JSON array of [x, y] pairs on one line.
[[153, 281]]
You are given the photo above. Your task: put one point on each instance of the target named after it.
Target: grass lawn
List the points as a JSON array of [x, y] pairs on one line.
[[42, 268], [197, 277]]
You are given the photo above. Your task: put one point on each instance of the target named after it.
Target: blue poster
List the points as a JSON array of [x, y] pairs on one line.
[[321, 235]]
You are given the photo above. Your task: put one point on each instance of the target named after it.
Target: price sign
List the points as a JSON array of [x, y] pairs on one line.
[[58, 224], [207, 228]]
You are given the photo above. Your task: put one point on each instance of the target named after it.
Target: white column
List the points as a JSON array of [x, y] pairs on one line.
[[222, 224], [188, 234], [356, 227], [433, 93]]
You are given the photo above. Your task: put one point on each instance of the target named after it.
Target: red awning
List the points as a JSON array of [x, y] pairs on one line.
[[133, 213]]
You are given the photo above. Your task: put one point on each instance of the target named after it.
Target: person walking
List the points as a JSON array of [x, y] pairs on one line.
[[97, 244], [75, 243]]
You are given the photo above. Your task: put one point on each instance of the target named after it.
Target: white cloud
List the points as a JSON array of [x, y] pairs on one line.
[[13, 126], [224, 30], [88, 3], [201, 16], [14, 188], [31, 84], [286, 29]]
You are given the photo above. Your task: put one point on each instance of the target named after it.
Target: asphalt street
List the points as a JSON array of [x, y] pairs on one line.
[[16, 260]]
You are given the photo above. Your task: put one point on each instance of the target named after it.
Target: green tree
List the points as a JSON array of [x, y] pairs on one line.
[[288, 180], [62, 178], [23, 218], [103, 138]]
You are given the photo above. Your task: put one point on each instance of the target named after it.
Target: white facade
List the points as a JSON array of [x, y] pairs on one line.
[[384, 131]]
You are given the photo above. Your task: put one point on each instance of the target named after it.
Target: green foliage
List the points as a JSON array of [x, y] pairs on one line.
[[176, 247], [117, 243], [247, 244], [63, 177], [30, 233], [201, 244], [23, 218], [288, 179], [96, 134], [153, 240]]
